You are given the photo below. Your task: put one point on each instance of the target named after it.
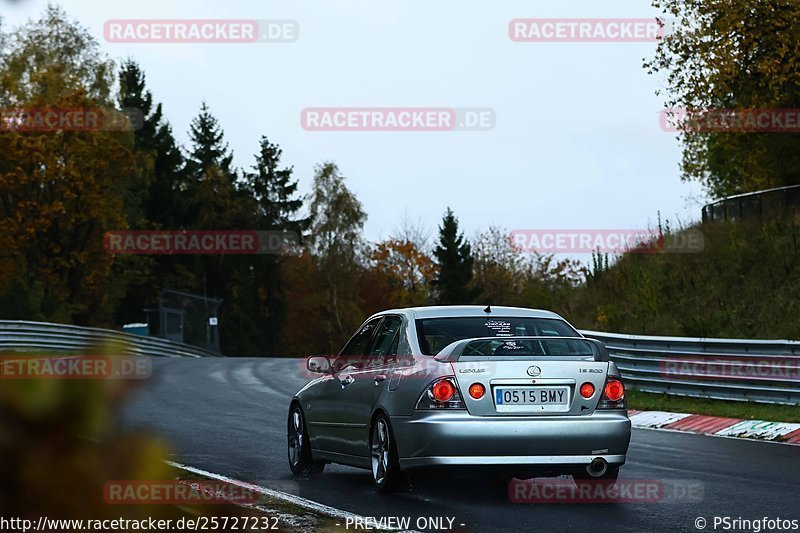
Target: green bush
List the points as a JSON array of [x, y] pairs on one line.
[[745, 283]]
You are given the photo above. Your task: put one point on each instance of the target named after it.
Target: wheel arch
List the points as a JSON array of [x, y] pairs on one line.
[[296, 402], [379, 410]]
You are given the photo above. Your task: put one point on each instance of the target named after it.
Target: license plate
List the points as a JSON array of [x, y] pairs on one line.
[[532, 398]]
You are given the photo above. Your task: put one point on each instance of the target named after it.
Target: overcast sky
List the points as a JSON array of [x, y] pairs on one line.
[[577, 142]]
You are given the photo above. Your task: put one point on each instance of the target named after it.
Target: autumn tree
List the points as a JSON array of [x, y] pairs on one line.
[[412, 231], [405, 273], [60, 190], [336, 244], [723, 54], [500, 270]]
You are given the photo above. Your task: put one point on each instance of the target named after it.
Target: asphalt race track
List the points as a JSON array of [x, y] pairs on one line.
[[228, 416]]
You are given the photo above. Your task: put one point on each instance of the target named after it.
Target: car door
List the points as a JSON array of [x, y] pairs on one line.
[[327, 412], [369, 382]]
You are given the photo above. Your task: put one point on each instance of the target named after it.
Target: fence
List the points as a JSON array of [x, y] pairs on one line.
[[780, 202], [725, 369], [22, 335]]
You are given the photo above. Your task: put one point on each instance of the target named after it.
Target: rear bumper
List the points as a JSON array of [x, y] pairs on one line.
[[434, 438], [547, 461]]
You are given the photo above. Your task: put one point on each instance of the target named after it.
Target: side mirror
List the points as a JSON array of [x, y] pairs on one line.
[[318, 364]]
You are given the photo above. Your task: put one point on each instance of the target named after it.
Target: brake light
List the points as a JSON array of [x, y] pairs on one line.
[[587, 390], [476, 390], [443, 391], [441, 394], [613, 395], [615, 391]]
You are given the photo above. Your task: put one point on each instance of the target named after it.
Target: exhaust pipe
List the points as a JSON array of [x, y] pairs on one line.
[[597, 467]]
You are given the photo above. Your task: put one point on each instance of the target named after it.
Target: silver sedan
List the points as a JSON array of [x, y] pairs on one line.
[[510, 388]]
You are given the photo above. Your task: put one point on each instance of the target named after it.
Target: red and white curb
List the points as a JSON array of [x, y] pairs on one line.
[[783, 432]]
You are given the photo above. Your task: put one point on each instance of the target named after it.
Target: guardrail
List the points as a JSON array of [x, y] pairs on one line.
[[725, 369], [18, 335]]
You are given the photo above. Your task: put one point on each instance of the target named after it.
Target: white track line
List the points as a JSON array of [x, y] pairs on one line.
[[655, 419], [299, 501]]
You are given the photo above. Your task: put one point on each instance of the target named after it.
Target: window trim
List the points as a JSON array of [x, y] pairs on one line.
[[375, 336], [369, 342]]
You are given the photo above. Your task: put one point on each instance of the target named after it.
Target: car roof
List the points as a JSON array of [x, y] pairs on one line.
[[447, 311]]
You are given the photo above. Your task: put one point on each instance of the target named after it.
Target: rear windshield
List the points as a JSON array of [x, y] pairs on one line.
[[436, 333], [529, 347]]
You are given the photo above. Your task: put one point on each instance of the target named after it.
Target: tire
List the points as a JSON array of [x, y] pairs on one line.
[[301, 460], [384, 464], [609, 479]]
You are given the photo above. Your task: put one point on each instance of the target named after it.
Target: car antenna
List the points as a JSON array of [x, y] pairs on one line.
[[489, 307]]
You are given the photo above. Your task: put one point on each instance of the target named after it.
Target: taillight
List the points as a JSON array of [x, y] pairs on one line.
[[441, 394], [587, 390], [615, 391], [443, 391], [477, 390], [613, 395]]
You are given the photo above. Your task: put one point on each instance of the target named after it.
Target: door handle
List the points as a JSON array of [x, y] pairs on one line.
[[379, 378], [347, 381]]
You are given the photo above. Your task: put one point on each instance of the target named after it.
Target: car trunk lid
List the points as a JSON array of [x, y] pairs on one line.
[[529, 376]]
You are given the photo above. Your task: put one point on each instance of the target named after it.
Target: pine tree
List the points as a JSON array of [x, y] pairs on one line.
[[218, 202], [163, 204], [214, 200], [275, 193], [454, 257], [161, 201], [209, 148]]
